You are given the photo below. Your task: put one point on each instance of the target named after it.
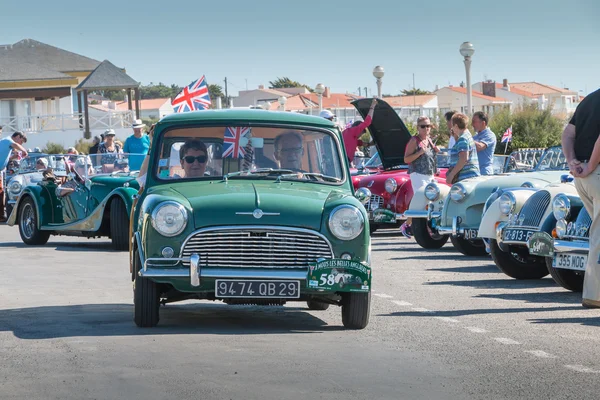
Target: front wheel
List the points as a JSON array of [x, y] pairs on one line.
[[425, 237], [472, 248], [356, 308], [119, 224], [516, 266], [28, 227], [146, 299], [570, 280]]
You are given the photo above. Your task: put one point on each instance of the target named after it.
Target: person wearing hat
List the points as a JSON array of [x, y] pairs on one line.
[[327, 115], [137, 145], [108, 150], [41, 164]]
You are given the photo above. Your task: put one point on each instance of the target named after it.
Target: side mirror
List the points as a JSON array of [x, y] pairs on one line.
[[363, 195]]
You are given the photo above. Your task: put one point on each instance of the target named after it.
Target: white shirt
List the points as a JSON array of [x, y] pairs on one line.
[[451, 142]]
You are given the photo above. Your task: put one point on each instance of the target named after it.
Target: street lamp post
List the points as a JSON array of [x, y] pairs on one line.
[[320, 89], [467, 50], [282, 101], [378, 73]]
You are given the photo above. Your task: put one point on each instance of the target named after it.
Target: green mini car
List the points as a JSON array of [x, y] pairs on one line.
[[79, 199], [249, 207]]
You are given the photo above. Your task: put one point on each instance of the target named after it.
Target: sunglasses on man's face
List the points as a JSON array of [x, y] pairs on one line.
[[289, 150], [424, 126], [190, 159]]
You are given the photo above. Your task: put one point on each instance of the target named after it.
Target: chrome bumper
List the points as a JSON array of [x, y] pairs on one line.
[[455, 230], [569, 246], [195, 273], [430, 213]]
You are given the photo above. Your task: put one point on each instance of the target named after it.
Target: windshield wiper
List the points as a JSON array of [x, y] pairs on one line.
[[259, 171]]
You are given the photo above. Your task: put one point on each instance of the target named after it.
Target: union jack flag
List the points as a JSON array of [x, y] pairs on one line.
[[193, 97], [507, 136], [231, 142]]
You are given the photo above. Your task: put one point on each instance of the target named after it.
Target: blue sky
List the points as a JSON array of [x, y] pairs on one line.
[[334, 42]]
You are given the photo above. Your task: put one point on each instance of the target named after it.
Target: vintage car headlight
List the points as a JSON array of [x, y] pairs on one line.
[[15, 187], [346, 222], [528, 185], [561, 228], [391, 185], [432, 191], [507, 203], [458, 192], [169, 218], [561, 206]]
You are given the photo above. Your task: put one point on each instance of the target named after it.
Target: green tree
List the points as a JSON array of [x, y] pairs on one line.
[[215, 92], [286, 82], [532, 128], [414, 92], [54, 148]]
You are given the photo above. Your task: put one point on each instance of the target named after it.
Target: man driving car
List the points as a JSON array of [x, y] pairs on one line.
[[289, 150]]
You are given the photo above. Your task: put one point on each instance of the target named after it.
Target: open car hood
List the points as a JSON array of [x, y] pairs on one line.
[[387, 130]]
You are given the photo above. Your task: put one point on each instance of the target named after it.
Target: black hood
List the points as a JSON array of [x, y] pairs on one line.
[[387, 130]]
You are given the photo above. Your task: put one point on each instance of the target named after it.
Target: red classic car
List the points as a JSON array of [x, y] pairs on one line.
[[391, 191], [372, 166]]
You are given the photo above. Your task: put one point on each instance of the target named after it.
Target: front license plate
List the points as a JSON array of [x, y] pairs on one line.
[[471, 234], [572, 261], [268, 289], [517, 235]]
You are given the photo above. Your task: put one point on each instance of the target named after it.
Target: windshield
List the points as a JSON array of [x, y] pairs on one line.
[[553, 159], [374, 162], [242, 151], [40, 162]]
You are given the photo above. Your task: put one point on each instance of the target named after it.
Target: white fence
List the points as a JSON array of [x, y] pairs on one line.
[[67, 122]]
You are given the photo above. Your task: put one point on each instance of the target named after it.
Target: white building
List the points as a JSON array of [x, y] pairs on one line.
[[455, 98]]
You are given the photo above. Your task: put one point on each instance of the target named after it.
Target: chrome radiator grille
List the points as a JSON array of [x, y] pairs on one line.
[[374, 203], [580, 229], [534, 209], [257, 247]]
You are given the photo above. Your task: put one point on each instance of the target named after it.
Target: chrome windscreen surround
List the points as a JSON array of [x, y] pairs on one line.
[[256, 246]]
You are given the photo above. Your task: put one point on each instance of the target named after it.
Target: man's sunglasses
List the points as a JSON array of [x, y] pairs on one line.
[[292, 150], [424, 126], [190, 159]]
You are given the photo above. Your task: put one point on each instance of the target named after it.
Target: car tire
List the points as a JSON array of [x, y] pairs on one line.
[[424, 237], [9, 209], [146, 300], [570, 280], [119, 224], [472, 248], [356, 308], [317, 305], [28, 227], [531, 267]]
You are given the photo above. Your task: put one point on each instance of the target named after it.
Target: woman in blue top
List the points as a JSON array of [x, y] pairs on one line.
[[463, 156]]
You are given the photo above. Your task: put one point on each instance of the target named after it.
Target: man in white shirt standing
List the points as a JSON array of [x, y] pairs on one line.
[[448, 117]]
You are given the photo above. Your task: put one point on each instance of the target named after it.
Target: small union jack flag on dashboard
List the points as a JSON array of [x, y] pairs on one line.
[[231, 141]]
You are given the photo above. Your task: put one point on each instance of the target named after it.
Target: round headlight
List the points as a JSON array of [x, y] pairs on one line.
[[458, 193], [169, 218], [561, 228], [527, 185], [432, 191], [561, 206], [15, 187], [346, 222], [391, 185], [507, 203]]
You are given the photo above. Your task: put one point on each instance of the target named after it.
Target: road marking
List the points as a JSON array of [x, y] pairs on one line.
[[423, 310], [447, 319], [474, 329], [383, 296], [581, 368], [540, 353], [504, 340], [401, 303]]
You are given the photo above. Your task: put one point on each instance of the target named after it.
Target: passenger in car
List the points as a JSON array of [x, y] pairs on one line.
[[289, 150], [193, 157]]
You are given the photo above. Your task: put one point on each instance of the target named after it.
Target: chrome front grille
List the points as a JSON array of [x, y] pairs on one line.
[[534, 209], [258, 247], [580, 229], [374, 203]]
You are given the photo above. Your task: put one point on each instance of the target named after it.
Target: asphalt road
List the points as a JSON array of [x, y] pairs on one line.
[[442, 327]]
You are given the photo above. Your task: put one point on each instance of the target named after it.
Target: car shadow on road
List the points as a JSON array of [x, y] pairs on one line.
[[420, 250], [507, 283], [562, 297], [452, 257], [49, 322], [18, 245], [478, 311], [587, 321], [483, 269], [85, 246]]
